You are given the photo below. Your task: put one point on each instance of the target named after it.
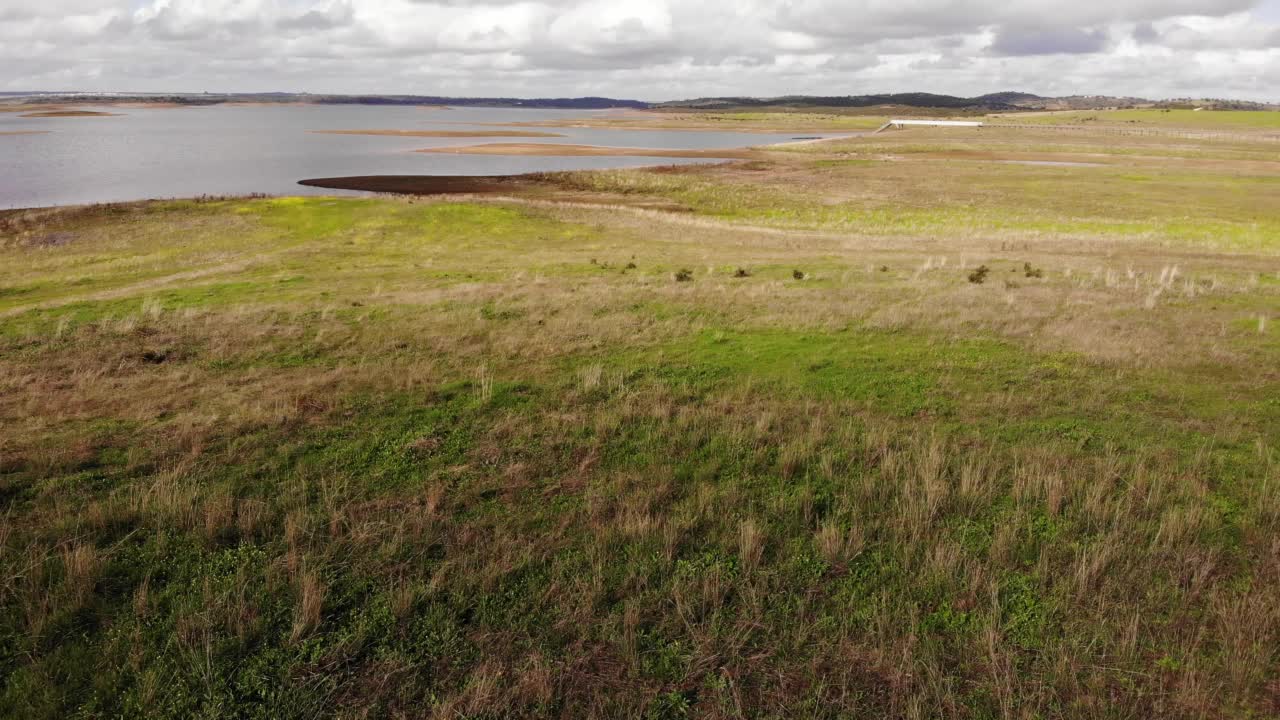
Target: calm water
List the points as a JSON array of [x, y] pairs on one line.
[[160, 153]]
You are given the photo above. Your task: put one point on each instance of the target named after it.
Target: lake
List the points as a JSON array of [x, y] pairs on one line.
[[236, 149]]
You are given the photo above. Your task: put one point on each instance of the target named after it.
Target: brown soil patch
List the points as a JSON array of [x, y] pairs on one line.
[[24, 132], [53, 239], [565, 150], [444, 133]]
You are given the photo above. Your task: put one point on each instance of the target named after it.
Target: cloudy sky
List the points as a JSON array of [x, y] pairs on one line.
[[646, 49]]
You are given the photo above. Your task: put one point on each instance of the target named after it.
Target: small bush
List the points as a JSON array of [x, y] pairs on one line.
[[884, 268], [741, 273], [631, 266], [1031, 272], [979, 275], [797, 274], [684, 275]]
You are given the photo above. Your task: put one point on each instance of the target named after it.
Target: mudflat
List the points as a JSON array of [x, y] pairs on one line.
[[427, 184], [67, 114], [444, 133], [567, 150]]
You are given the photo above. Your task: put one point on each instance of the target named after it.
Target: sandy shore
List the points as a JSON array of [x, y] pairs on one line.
[[152, 105], [24, 132], [566, 150], [711, 121], [67, 114], [444, 133], [650, 125], [26, 108]]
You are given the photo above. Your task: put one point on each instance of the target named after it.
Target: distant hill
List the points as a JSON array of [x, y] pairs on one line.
[[918, 100], [907, 103], [1000, 101], [1215, 104], [579, 103], [1074, 102]]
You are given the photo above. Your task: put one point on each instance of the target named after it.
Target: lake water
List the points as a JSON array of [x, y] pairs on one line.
[[223, 149]]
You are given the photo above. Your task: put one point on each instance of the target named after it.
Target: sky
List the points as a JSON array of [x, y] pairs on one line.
[[646, 49]]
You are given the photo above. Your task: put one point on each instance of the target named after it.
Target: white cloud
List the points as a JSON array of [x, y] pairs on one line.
[[648, 49], [493, 29]]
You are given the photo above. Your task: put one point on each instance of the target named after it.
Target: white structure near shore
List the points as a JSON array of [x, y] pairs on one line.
[[900, 124]]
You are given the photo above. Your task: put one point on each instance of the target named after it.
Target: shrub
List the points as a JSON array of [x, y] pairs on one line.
[[1031, 272], [742, 273], [684, 275], [155, 357], [979, 275], [797, 274]]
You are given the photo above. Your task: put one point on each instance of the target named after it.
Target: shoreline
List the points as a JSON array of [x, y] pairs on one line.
[[429, 184], [443, 133], [68, 114], [581, 125], [572, 150], [694, 121], [426, 185]]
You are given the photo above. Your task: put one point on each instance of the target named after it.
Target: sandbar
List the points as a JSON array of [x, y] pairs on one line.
[[444, 133], [68, 114], [428, 184], [567, 150]]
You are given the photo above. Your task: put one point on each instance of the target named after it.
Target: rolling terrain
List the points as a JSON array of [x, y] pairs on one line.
[[932, 423], [902, 102]]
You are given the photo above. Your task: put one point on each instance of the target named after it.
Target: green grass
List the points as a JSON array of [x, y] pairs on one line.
[[1226, 120], [1207, 209], [375, 458]]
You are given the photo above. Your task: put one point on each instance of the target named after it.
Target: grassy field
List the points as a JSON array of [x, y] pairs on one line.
[[896, 426], [1221, 120]]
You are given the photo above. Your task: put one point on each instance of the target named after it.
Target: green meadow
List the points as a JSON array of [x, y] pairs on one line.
[[1222, 120]]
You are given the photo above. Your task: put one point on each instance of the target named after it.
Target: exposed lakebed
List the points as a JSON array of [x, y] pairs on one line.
[[143, 152]]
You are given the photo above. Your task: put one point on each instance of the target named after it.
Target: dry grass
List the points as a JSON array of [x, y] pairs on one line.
[[310, 592]]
